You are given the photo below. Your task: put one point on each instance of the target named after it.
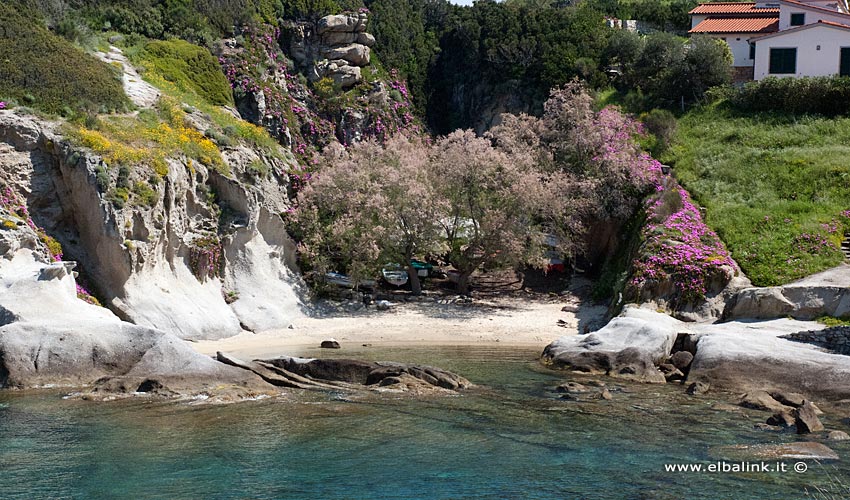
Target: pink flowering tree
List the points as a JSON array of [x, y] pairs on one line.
[[370, 205], [491, 219]]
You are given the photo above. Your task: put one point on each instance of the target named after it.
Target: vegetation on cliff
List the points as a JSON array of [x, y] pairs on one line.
[[531, 186], [44, 71], [775, 187]]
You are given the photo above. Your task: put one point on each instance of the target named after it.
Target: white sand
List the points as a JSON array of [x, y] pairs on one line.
[[505, 321]]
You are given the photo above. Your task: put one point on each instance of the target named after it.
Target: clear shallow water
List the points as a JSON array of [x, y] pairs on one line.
[[510, 438]]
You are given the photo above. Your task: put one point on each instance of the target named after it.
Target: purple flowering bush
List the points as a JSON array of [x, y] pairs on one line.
[[205, 258], [305, 118], [12, 203], [678, 250]]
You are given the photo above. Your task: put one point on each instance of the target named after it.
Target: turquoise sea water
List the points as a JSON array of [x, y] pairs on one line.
[[509, 438]]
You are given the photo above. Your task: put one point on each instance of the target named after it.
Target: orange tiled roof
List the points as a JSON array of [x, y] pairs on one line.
[[740, 25], [739, 8]]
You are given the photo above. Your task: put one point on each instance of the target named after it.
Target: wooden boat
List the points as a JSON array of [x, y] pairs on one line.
[[395, 275]]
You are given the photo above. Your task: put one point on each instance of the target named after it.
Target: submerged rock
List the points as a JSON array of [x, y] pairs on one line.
[[800, 451], [838, 436], [367, 373]]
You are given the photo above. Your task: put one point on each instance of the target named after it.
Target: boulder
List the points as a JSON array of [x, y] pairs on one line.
[[682, 360], [782, 419], [793, 399], [697, 388], [837, 436], [629, 346], [674, 376], [330, 344], [366, 39], [351, 23], [355, 54], [605, 394], [748, 356], [366, 373], [761, 400], [572, 388], [822, 294], [807, 420]]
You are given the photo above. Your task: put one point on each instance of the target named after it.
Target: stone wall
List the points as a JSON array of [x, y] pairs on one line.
[[836, 339]]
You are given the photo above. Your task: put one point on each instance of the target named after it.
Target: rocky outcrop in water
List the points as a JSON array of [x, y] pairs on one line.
[[48, 336], [735, 356], [350, 374]]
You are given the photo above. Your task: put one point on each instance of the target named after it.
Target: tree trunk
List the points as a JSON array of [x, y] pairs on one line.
[[463, 283], [413, 277]]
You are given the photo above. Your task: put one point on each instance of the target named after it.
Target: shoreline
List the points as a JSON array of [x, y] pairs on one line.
[[504, 322]]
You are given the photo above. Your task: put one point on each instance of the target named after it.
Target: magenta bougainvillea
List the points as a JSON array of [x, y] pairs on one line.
[[205, 257], [678, 247]]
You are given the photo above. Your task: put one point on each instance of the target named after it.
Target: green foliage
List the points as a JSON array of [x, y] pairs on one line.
[[308, 9], [189, 67], [48, 73], [662, 125], [831, 321], [118, 197], [774, 187], [147, 196], [825, 95], [497, 50], [664, 70], [258, 169]]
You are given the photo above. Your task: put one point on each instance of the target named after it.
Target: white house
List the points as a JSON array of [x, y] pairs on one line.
[[818, 49], [736, 23], [783, 38]]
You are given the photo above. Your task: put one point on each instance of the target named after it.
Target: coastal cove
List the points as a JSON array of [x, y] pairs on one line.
[[511, 436]]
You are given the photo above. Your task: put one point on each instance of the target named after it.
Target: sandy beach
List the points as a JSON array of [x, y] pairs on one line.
[[527, 322]]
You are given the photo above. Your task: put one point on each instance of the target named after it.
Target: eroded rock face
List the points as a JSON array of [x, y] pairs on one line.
[[142, 260], [50, 337], [336, 47]]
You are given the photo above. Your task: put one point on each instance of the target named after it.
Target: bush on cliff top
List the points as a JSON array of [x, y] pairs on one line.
[[189, 67], [49, 73]]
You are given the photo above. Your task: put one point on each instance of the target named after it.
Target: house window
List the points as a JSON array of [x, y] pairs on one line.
[[844, 64], [783, 61], [798, 19], [752, 51]]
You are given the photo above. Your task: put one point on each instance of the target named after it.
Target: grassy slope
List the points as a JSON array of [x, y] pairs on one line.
[[47, 72], [765, 180]]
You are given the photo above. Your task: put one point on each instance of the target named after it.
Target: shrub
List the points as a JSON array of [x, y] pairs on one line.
[[662, 125], [824, 95], [190, 67], [49, 73], [147, 196]]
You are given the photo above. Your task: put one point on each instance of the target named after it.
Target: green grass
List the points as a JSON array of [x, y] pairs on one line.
[[765, 180], [48, 73], [189, 67]]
